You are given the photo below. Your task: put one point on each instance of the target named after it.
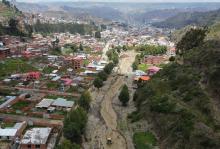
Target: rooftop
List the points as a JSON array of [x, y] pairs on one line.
[[45, 103], [60, 102], [8, 132], [3, 49], [36, 136]]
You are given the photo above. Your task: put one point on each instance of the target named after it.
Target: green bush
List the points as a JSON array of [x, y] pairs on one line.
[[144, 140]]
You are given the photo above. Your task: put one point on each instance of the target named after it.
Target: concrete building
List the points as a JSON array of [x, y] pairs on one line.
[[154, 60], [4, 52], [36, 138], [77, 62], [13, 132]]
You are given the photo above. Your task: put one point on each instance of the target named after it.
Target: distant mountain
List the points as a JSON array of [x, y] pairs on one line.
[[156, 15], [95, 11], [130, 13], [31, 7], [190, 18]]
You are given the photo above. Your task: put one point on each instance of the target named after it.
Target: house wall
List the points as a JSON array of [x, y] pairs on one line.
[[4, 53], [33, 146], [77, 64], [153, 59], [19, 132]]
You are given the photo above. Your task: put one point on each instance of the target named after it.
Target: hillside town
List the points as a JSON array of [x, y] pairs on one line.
[[48, 83], [43, 77]]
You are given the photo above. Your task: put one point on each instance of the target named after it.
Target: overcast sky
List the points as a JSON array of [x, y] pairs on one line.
[[122, 0]]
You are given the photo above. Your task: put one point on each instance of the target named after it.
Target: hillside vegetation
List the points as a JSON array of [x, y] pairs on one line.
[[7, 11], [213, 32], [190, 18], [10, 23], [46, 28], [182, 100]]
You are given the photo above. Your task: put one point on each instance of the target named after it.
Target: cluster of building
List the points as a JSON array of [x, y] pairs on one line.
[[136, 36], [27, 138], [50, 90]]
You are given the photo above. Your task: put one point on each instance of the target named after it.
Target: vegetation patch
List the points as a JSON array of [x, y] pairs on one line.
[[10, 66], [144, 140], [20, 105], [143, 67]]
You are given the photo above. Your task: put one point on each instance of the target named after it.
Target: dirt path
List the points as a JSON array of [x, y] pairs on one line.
[[103, 119]]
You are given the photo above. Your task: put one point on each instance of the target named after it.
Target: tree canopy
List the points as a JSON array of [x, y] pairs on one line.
[[66, 144], [98, 83], [97, 34], [124, 95], [193, 38], [85, 100], [74, 125]]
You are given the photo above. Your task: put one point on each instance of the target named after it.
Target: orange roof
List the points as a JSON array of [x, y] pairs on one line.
[[145, 78]]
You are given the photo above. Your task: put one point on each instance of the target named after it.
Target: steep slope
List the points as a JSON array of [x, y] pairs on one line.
[[12, 21], [7, 11], [182, 101], [190, 18], [213, 32]]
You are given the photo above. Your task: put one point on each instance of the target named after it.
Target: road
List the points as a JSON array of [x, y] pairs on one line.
[[103, 120], [104, 51]]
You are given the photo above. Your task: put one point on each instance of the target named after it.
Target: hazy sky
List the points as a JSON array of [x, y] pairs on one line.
[[123, 0]]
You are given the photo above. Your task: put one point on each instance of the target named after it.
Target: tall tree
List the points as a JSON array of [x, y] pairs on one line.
[[66, 144], [103, 75], [108, 68], [193, 38], [124, 95], [85, 100], [97, 34], [74, 125], [81, 47], [98, 83]]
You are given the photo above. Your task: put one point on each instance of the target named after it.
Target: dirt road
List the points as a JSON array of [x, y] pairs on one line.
[[103, 120], [126, 62]]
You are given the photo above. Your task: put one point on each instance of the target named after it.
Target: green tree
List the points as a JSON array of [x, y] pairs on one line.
[[97, 34], [74, 125], [172, 59], [124, 95], [98, 83], [85, 100], [66, 144], [81, 47], [108, 68], [124, 48], [103, 75], [193, 38]]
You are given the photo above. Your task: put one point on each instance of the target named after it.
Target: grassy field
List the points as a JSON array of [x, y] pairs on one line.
[[143, 67], [20, 105], [10, 66], [53, 85], [144, 140], [7, 124]]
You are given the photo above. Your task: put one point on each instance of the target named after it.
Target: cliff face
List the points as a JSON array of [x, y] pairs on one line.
[[182, 100]]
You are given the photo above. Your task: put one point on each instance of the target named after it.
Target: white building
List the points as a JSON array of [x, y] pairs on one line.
[[36, 138]]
